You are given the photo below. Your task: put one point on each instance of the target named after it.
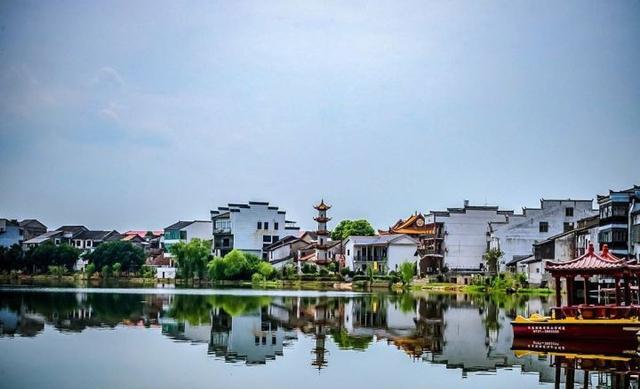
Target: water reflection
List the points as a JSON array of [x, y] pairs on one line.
[[466, 332]]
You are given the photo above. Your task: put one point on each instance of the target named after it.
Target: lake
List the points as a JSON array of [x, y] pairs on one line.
[[164, 338]]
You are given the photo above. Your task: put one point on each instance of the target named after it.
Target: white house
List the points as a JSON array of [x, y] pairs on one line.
[[249, 227], [516, 235], [165, 272], [385, 252], [465, 234], [185, 231]]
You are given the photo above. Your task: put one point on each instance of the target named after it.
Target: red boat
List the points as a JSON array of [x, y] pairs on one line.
[[619, 321]]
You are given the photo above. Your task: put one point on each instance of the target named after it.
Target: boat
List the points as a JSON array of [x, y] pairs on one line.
[[584, 322]]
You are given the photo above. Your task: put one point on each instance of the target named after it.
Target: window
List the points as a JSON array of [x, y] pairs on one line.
[[348, 252], [275, 225], [275, 238], [266, 239], [57, 241], [225, 242], [619, 235], [266, 225], [568, 226], [568, 212], [537, 270], [619, 210], [544, 227], [87, 243], [183, 235], [259, 227]]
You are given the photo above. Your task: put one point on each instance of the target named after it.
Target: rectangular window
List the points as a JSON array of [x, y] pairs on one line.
[[266, 239], [57, 241], [275, 225], [87, 243], [259, 227], [568, 226], [544, 227], [225, 242], [568, 212], [266, 225], [183, 235], [275, 238]]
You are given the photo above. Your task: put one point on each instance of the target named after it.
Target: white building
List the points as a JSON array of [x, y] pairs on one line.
[[249, 227], [386, 251], [165, 272], [465, 234], [516, 235], [185, 231]]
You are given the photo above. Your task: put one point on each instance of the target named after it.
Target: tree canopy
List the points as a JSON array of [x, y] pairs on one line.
[[130, 257], [48, 254], [492, 256], [192, 257], [238, 265], [347, 228]]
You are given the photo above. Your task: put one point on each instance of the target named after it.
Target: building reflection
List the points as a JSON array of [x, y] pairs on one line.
[[466, 332]]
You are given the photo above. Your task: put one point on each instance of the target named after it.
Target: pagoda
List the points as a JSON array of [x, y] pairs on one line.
[[322, 232]]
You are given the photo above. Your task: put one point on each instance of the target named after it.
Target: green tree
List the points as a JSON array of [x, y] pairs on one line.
[[117, 268], [347, 228], [237, 265], [105, 271], [89, 270], [491, 257], [407, 271], [192, 257], [48, 254], [129, 256]]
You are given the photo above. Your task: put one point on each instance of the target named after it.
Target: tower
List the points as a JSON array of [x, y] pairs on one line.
[[322, 232]]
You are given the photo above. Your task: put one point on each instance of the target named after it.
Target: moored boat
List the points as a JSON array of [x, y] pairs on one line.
[[583, 322]]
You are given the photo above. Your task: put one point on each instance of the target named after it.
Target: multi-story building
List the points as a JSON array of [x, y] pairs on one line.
[[616, 224], [185, 231], [464, 232], [249, 227], [382, 252], [516, 235], [32, 228]]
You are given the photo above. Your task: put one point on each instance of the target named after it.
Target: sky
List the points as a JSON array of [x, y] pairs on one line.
[[133, 115]]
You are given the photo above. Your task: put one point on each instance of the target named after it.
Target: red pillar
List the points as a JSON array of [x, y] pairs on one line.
[[558, 290]]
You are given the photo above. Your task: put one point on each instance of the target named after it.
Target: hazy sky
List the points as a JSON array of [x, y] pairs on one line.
[[137, 114]]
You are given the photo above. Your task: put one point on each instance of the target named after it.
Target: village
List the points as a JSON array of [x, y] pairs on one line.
[[459, 245]]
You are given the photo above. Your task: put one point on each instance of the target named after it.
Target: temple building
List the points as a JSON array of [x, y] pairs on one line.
[[322, 232], [430, 236], [322, 250]]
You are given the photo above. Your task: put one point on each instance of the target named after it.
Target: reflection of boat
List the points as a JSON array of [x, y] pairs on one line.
[[619, 321]]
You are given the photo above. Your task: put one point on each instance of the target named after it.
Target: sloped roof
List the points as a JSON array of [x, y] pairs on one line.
[[95, 235], [143, 233], [378, 239], [72, 229], [322, 206], [43, 237], [589, 263], [179, 225], [27, 222]]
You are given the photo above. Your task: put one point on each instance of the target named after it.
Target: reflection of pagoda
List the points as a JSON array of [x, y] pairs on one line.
[[323, 234]]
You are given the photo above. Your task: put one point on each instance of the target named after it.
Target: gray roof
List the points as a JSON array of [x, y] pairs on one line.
[[72, 229], [377, 239], [179, 225], [518, 258], [43, 237], [95, 235]]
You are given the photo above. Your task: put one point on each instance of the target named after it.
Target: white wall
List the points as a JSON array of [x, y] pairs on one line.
[[466, 237], [244, 223], [518, 236], [402, 250], [199, 229]]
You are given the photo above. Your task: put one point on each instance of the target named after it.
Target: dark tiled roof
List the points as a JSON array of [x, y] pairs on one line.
[[72, 229], [179, 225], [96, 235]]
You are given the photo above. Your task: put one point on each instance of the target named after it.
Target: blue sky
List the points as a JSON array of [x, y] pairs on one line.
[[136, 114]]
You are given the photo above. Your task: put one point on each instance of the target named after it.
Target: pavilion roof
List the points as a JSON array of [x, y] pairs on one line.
[[322, 206], [589, 263]]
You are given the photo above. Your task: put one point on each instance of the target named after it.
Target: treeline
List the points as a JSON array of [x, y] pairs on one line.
[[109, 257]]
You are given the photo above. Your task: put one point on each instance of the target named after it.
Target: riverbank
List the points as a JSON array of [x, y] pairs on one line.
[[292, 284]]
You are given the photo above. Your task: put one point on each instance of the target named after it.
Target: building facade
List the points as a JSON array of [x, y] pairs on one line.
[[382, 252], [616, 221], [10, 233], [465, 235], [185, 231], [516, 235], [249, 227]]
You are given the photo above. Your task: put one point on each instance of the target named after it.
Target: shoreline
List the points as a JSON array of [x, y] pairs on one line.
[[75, 281]]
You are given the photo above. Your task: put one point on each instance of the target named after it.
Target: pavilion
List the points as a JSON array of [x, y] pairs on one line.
[[593, 264]]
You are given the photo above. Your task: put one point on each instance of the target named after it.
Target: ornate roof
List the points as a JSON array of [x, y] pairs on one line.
[[413, 225], [589, 263], [322, 206]]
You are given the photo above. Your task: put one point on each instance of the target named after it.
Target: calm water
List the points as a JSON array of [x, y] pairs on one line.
[[154, 338]]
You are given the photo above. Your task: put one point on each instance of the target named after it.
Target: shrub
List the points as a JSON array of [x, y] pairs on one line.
[[148, 271], [308, 268], [266, 270], [90, 269], [117, 267], [257, 277], [105, 271], [323, 272], [345, 271], [333, 267], [57, 271]]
